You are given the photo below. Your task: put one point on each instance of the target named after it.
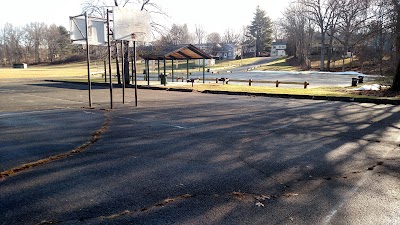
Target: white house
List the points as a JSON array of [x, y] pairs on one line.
[[278, 49], [209, 62]]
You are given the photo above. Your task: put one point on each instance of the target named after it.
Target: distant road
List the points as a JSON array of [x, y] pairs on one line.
[[261, 61]]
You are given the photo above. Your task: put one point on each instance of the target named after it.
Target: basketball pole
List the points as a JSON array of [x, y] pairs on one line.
[[134, 66], [123, 71], [88, 59], [109, 57]]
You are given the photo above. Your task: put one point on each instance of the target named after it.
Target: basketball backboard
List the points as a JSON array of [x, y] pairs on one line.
[[131, 25], [96, 28]]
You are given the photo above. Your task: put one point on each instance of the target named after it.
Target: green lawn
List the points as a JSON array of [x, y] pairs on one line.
[[278, 65]]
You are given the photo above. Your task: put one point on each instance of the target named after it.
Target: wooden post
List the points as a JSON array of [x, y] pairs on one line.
[[250, 81], [306, 84]]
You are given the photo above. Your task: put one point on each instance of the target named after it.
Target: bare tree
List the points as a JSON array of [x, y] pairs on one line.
[[277, 33], [214, 38], [178, 34], [57, 41], [351, 28], [36, 32], [396, 79], [200, 34], [231, 37], [13, 43], [323, 13], [299, 33]]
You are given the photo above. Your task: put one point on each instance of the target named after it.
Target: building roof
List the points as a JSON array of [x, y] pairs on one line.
[[176, 52], [279, 43]]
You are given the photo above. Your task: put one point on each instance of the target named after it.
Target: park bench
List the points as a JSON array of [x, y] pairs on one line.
[[224, 80]]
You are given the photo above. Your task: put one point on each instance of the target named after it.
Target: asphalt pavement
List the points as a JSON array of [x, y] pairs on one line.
[[194, 158]]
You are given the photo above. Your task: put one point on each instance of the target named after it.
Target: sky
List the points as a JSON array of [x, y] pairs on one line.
[[213, 15]]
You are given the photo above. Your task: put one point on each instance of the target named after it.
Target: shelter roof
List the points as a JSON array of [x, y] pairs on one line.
[[176, 52]]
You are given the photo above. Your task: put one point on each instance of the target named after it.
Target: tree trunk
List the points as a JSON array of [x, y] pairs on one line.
[[322, 64], [126, 62], [396, 79]]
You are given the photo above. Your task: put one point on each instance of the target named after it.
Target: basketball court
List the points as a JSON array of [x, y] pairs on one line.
[[192, 158]]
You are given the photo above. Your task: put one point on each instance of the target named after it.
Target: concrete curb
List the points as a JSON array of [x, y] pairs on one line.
[[310, 97]]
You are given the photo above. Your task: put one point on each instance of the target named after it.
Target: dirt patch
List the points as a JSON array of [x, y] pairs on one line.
[[381, 93]]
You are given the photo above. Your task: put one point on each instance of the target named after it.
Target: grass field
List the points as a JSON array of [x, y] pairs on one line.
[[79, 69], [77, 72], [278, 65], [63, 70]]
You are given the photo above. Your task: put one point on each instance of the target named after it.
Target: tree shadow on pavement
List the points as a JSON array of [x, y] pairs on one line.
[[216, 160]]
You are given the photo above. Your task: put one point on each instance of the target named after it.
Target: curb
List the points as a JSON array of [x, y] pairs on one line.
[[310, 97]]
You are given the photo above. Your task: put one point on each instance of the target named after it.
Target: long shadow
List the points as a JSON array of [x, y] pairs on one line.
[[64, 85]]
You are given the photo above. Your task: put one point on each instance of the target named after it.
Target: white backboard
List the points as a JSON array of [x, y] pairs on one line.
[[131, 25], [97, 30]]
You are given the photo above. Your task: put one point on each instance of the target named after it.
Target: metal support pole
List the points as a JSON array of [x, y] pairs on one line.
[[158, 65], [187, 69], [109, 58], [132, 68], [123, 72], [148, 72], [105, 71], [135, 73], [172, 71], [88, 60], [165, 70], [204, 70]]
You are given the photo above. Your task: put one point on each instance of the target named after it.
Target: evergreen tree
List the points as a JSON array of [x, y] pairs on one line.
[[261, 30]]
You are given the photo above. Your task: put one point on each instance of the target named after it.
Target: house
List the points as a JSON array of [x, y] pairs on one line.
[[278, 49], [221, 51]]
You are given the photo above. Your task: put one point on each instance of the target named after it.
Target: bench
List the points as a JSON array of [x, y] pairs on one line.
[[224, 80], [192, 80]]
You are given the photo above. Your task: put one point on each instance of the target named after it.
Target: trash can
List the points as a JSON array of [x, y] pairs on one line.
[[354, 81], [360, 79], [163, 78]]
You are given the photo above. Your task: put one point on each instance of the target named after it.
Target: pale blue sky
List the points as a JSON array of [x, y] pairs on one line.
[[214, 15]]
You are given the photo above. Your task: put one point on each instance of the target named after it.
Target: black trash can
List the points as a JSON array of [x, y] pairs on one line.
[[354, 81], [360, 79], [163, 79]]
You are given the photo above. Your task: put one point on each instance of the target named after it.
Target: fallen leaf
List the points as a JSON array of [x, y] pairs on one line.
[[259, 204]]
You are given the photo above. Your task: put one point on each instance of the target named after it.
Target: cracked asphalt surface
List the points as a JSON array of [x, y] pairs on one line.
[[192, 158]]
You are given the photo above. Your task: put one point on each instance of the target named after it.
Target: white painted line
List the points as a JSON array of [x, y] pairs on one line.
[[162, 124], [345, 199], [60, 99], [31, 112], [351, 193]]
